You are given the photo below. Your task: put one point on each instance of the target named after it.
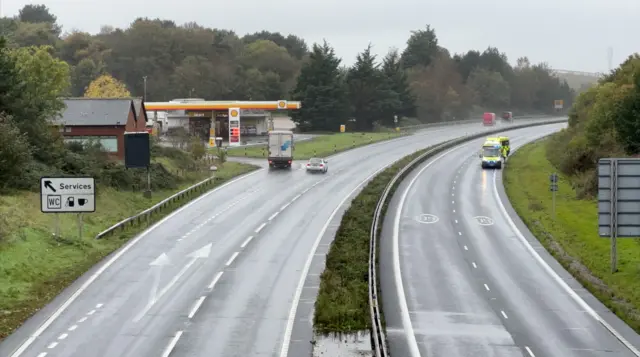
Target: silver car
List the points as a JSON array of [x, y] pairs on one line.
[[317, 165]]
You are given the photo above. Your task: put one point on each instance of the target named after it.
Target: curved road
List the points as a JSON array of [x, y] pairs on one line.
[[234, 273], [458, 278]]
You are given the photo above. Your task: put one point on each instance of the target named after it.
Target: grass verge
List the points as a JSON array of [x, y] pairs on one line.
[[34, 267], [321, 146], [572, 237], [342, 305]]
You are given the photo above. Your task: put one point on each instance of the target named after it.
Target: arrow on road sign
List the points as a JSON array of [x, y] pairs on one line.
[[47, 184]]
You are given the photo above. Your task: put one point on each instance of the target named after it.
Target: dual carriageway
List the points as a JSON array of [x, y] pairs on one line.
[[236, 271]]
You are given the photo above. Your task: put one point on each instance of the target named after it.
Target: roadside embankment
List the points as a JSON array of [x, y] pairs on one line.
[[35, 266], [321, 146], [572, 237]]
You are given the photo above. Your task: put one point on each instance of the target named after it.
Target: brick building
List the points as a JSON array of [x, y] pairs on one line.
[[102, 119]]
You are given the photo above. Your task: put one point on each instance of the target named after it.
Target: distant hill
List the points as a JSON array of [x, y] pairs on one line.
[[577, 81]]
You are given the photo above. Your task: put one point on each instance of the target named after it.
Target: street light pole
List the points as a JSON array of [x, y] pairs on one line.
[[144, 97]]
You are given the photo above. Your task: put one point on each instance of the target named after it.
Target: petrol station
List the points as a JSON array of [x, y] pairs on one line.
[[221, 119]]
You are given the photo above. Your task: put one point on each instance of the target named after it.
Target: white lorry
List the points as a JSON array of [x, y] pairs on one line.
[[280, 146]]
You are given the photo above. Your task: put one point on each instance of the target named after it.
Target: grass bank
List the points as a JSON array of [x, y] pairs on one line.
[[321, 146], [35, 267], [572, 237], [342, 305]]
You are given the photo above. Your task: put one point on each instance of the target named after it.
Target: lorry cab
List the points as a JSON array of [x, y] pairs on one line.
[[489, 119], [490, 155], [508, 116]]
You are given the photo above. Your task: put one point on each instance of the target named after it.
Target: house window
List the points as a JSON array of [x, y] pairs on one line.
[[67, 129], [108, 143]]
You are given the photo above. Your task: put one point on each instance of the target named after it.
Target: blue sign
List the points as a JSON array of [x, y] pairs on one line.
[[285, 146]]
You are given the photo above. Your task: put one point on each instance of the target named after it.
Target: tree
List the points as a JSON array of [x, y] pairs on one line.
[[491, 89], [321, 88], [467, 63], [626, 116], [106, 86], [39, 14], [398, 81], [36, 100], [15, 152], [422, 48]]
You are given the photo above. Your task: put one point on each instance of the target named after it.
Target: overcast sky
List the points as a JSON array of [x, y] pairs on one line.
[[568, 34]]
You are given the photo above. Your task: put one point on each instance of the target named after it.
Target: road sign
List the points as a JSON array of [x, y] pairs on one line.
[[343, 128], [558, 104], [619, 197], [67, 194], [553, 178]]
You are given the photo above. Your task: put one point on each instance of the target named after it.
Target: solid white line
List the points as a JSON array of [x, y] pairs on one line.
[[233, 257], [273, 216], [557, 277], [72, 328], [284, 351], [215, 280], [284, 207], [63, 336], [402, 299], [246, 242], [42, 354], [260, 227], [52, 345], [295, 198], [529, 350], [113, 259], [487, 287], [196, 307], [172, 344], [504, 314]]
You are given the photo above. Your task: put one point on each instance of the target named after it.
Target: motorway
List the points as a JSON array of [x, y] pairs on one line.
[[233, 273], [458, 278]]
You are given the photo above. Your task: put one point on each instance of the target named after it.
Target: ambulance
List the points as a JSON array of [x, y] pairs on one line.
[[491, 154]]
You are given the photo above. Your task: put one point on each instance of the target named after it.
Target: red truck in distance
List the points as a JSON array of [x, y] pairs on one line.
[[489, 119]]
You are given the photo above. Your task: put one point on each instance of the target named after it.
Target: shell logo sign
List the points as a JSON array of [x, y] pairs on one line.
[[233, 113], [282, 104]]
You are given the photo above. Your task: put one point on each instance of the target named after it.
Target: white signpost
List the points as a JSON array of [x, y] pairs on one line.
[[68, 195]]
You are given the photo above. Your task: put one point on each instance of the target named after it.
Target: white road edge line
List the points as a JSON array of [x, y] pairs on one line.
[[402, 299], [244, 244], [172, 344], [284, 207], [284, 351], [273, 216], [113, 259], [557, 277], [529, 351], [215, 280], [260, 227], [233, 257], [196, 307]]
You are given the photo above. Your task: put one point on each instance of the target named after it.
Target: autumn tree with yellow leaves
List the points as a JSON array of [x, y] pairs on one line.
[[106, 86]]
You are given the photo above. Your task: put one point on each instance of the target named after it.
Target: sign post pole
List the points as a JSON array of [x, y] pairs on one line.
[[80, 225], [553, 187], [613, 236]]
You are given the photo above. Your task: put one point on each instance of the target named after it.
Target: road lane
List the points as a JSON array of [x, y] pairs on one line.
[[225, 219], [471, 287]]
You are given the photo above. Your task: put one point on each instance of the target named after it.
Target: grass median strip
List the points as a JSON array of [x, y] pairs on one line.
[[35, 267], [572, 237], [343, 300], [320, 146]]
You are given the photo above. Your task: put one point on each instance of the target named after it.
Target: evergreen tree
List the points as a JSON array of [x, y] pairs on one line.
[[322, 90], [398, 81], [369, 93], [422, 48]]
